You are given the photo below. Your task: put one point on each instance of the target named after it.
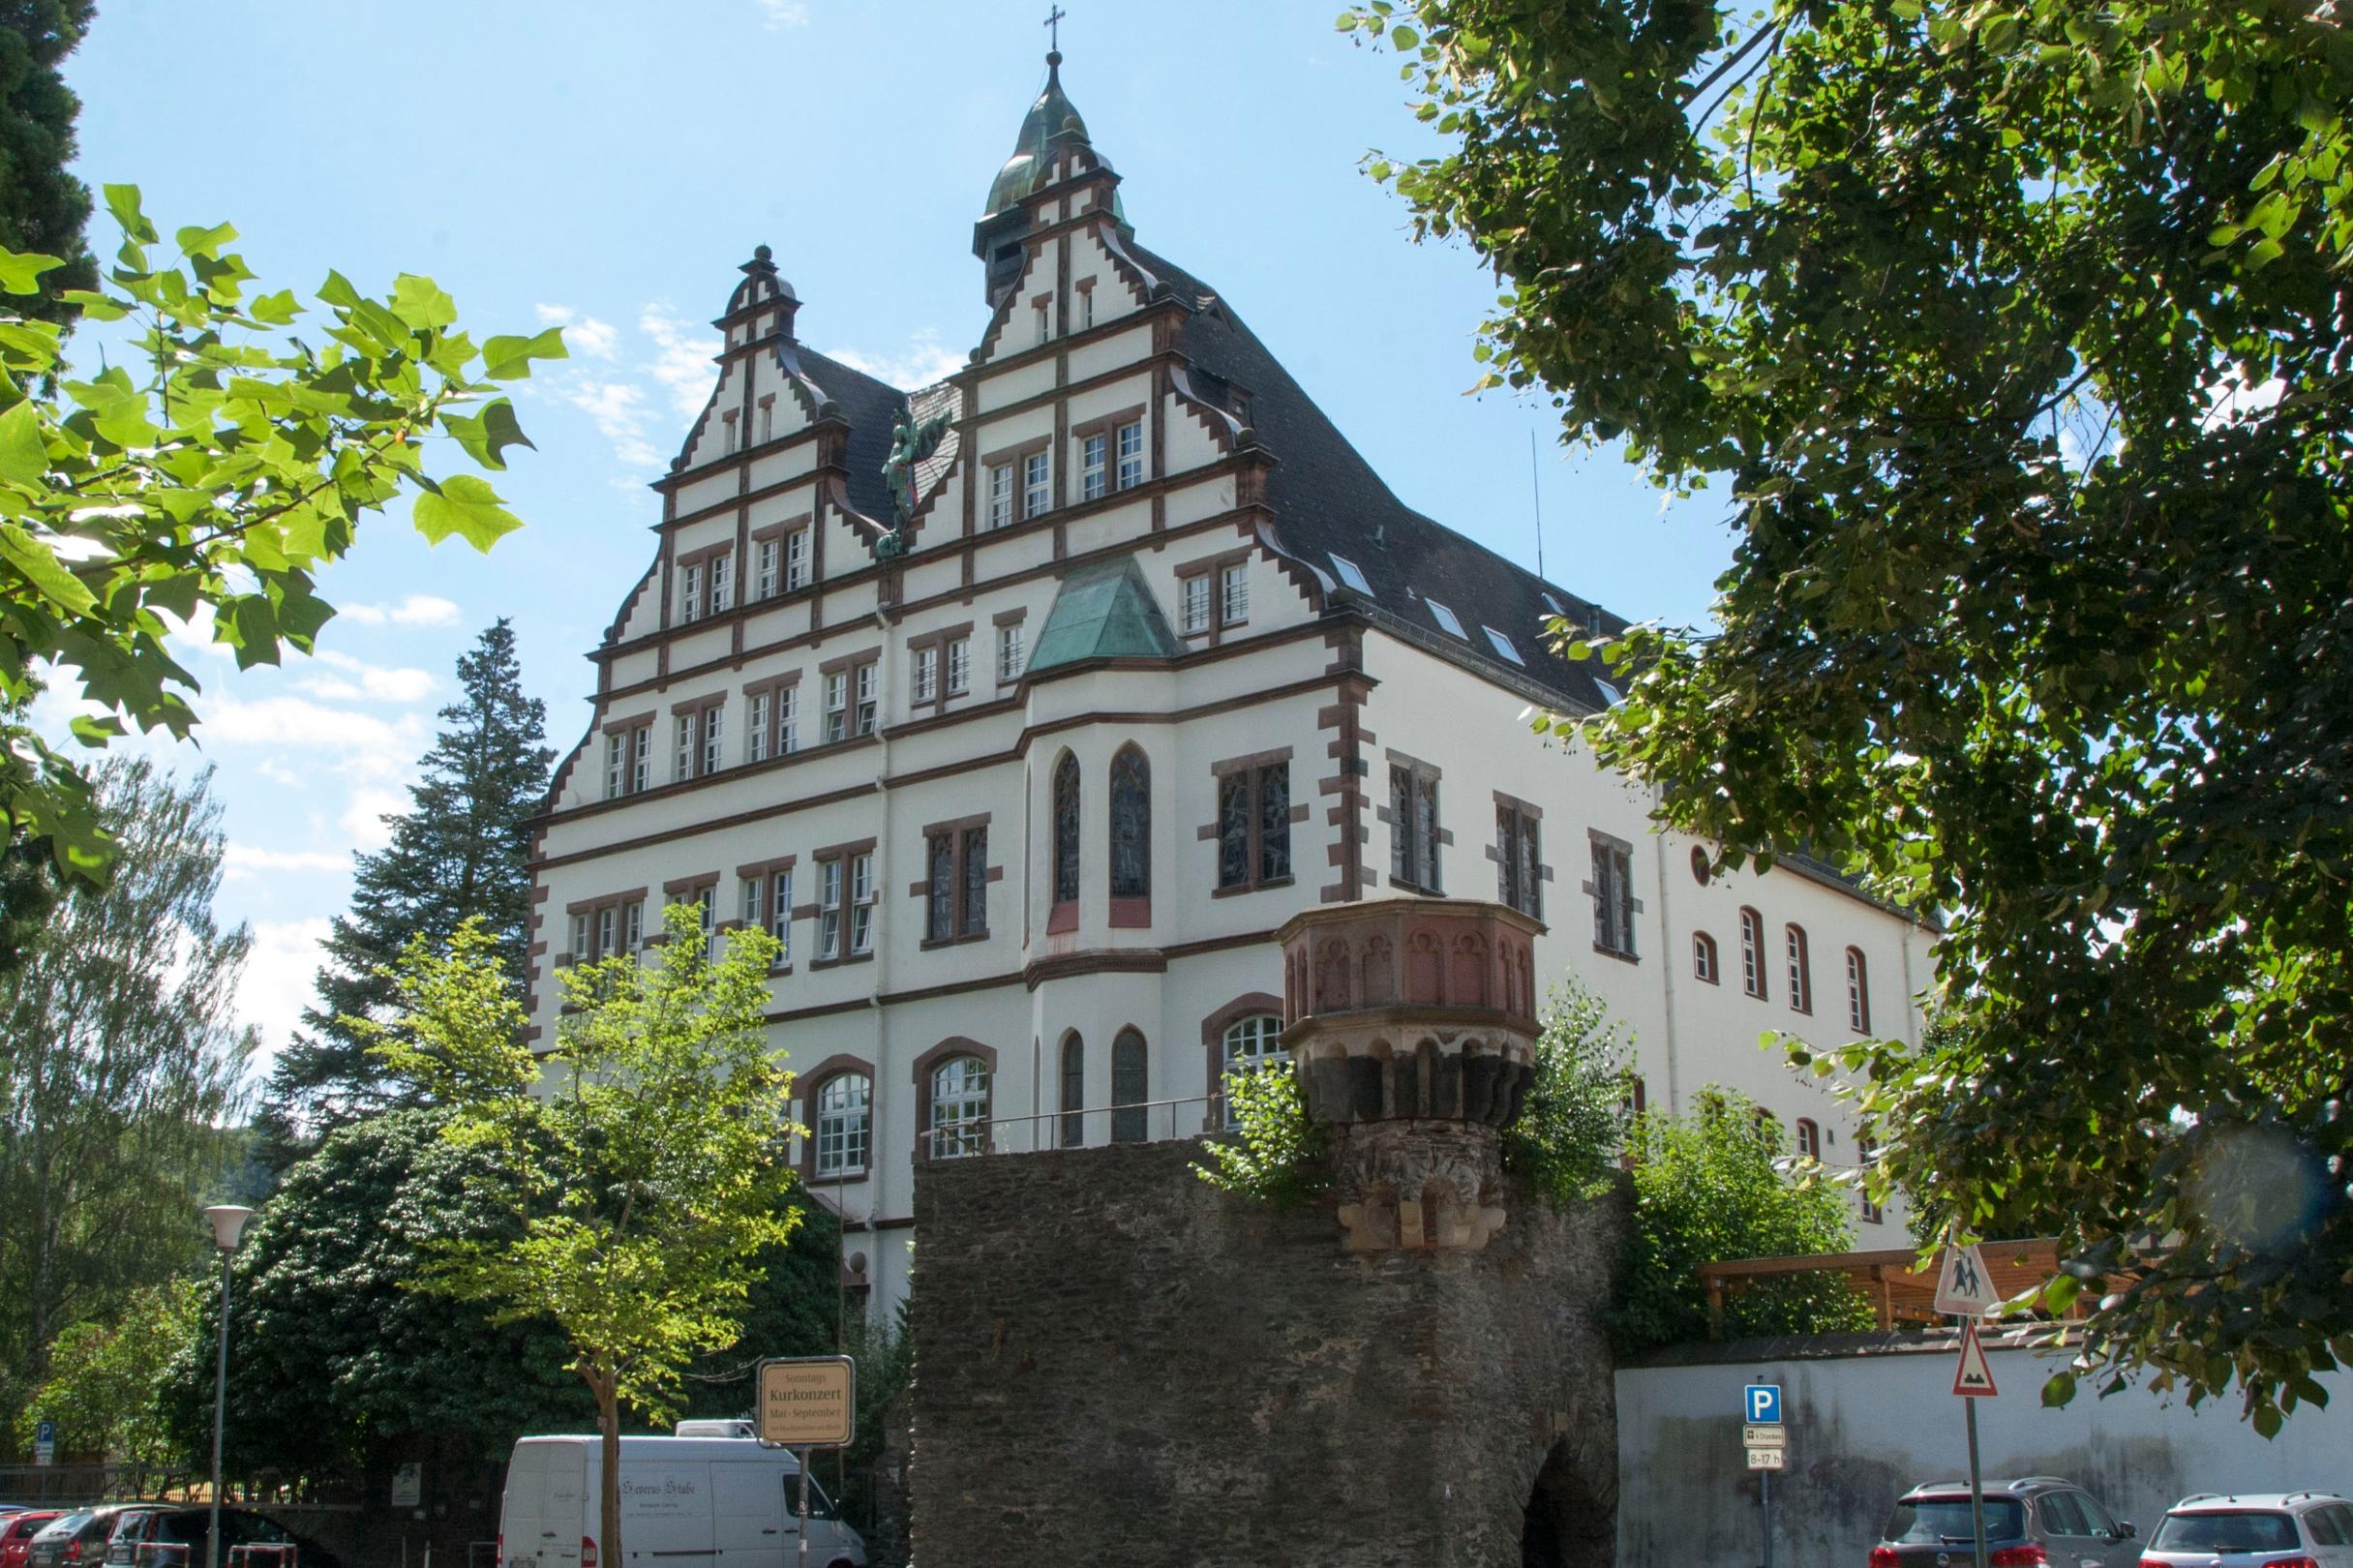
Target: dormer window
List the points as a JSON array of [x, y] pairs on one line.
[[1351, 575], [1504, 645], [1445, 618]]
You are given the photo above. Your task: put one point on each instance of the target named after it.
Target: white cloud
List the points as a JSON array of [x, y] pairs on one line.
[[416, 610], [2229, 399], [369, 682], [251, 860], [779, 15], [279, 979], [683, 363], [364, 817], [922, 361], [617, 411], [582, 334]]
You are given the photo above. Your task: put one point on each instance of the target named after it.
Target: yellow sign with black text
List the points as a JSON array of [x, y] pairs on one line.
[[807, 1401]]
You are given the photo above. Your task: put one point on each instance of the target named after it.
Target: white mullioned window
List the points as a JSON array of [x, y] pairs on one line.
[[780, 914], [842, 1125], [1801, 970], [768, 568], [767, 418], [1086, 309], [633, 924], [641, 758], [925, 685], [1193, 606], [606, 919], [959, 1109], [960, 666], [829, 910], [1250, 1044], [753, 909], [788, 720], [756, 727], [1008, 652], [616, 765], [1233, 594], [579, 949], [727, 442], [866, 678], [723, 583], [862, 902], [837, 705], [683, 763], [1094, 467], [1000, 496], [1131, 454], [1036, 484], [690, 592], [796, 559], [1858, 992], [1752, 953], [714, 722]]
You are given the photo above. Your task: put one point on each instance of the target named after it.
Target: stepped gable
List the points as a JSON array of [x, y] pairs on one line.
[[1327, 497]]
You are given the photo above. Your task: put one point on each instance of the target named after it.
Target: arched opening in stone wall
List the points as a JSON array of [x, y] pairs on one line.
[[1565, 1524]]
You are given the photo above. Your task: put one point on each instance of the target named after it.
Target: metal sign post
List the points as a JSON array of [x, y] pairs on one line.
[[1764, 1436], [804, 1502], [1973, 1379]]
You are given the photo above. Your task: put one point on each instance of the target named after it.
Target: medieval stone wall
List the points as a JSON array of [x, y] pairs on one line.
[[1116, 1362]]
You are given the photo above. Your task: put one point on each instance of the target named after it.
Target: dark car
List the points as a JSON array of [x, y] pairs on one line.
[[77, 1538], [170, 1537], [2038, 1520]]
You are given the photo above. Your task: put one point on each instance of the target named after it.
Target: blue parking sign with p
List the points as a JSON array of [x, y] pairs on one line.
[[1762, 1405]]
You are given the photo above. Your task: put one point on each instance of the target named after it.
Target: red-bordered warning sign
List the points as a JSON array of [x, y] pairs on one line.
[[1973, 1377]]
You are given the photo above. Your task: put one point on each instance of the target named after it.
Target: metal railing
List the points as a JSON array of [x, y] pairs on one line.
[[1143, 1121]]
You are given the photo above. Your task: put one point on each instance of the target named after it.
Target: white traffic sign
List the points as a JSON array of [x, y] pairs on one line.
[[1774, 1435], [1965, 1285], [1973, 1377], [1768, 1459]]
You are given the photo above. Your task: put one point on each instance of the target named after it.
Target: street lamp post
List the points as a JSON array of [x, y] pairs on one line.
[[227, 1224]]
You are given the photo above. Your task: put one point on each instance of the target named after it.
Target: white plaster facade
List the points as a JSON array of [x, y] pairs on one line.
[[1085, 328]]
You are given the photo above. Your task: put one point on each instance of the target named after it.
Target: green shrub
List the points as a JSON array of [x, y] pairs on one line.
[[1280, 1156], [1572, 1129]]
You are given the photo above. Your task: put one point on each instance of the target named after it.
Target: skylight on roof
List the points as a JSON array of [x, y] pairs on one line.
[[1552, 604], [1351, 574], [1504, 645], [1610, 694], [1446, 618]]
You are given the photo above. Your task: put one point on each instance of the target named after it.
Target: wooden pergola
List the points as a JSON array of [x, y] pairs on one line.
[[1890, 1278]]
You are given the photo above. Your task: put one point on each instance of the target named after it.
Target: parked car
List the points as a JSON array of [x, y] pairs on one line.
[[2291, 1530], [77, 1538], [2033, 1521], [16, 1532], [167, 1537]]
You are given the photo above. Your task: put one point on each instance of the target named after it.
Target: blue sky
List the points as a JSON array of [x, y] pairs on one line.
[[609, 165]]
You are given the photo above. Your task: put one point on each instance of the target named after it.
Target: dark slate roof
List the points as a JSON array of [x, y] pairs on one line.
[[873, 409], [1103, 611], [1327, 498]]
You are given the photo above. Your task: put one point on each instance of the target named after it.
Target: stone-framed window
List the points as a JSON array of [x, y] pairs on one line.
[[722, 581], [771, 717], [954, 889], [959, 658], [1706, 967], [1094, 466], [1130, 805], [795, 558], [628, 755], [1131, 1087], [842, 1125], [1037, 483], [924, 674], [1247, 1044], [1127, 449], [768, 569], [1253, 831], [1858, 992], [997, 509], [954, 1085], [845, 903], [700, 726], [1063, 843], [1415, 836], [701, 891], [1110, 453], [939, 667], [1233, 593], [1809, 1138], [1752, 953], [1612, 889], [1519, 856], [1010, 654], [1074, 1076], [1213, 597], [602, 926], [851, 692], [1800, 967], [767, 903], [1866, 1152]]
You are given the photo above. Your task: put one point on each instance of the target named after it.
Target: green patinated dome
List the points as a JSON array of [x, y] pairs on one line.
[[1026, 170]]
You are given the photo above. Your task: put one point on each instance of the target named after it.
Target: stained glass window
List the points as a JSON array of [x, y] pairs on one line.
[[1130, 824], [1130, 1088], [1066, 828]]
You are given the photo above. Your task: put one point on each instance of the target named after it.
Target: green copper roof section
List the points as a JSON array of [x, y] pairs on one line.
[[1026, 170], [1104, 612]]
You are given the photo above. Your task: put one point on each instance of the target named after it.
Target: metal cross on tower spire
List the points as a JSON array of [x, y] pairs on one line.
[[1053, 22]]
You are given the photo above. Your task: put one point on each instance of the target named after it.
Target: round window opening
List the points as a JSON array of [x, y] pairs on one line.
[[1699, 866]]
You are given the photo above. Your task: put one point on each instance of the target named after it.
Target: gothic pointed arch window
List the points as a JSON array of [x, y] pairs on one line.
[[1858, 992], [1065, 829], [1131, 1087], [1073, 1090], [1131, 825]]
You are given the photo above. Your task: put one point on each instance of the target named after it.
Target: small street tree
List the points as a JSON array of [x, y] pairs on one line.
[[106, 1378], [646, 1149], [461, 851]]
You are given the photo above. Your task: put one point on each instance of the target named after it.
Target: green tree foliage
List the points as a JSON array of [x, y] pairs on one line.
[[106, 1378], [460, 851], [118, 1059], [42, 208], [2018, 330], [1279, 1155], [336, 1352], [214, 466], [1713, 1186], [1572, 1126], [644, 1179]]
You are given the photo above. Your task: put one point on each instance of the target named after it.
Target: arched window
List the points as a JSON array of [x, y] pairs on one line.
[[1866, 1149], [959, 1108], [1809, 1137], [1801, 970], [1073, 1090], [844, 1126], [1250, 1043], [1131, 1087], [1065, 829], [1704, 958], [1130, 824], [1858, 992], [1752, 953]]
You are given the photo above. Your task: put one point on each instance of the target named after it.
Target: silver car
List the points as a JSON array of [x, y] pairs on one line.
[[2268, 1529]]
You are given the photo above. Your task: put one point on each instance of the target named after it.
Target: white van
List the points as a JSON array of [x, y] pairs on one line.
[[686, 1502]]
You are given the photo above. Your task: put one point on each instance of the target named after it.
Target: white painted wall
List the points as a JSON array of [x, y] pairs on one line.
[[1863, 1429]]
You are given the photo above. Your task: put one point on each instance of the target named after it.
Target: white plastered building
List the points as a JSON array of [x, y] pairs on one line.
[[1027, 781]]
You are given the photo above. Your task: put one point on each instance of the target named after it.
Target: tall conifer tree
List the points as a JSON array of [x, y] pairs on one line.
[[461, 850]]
